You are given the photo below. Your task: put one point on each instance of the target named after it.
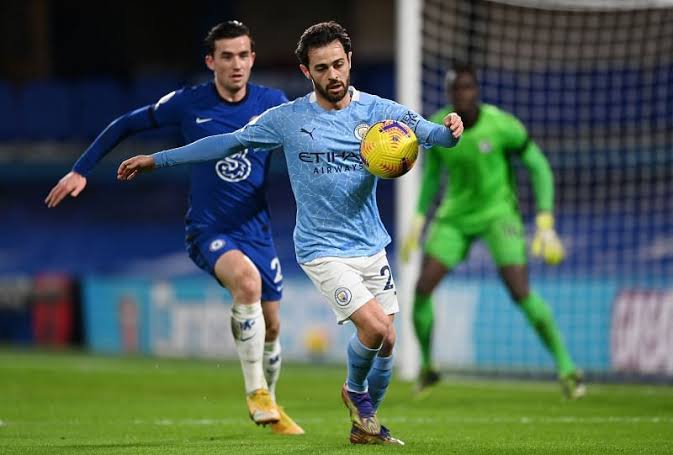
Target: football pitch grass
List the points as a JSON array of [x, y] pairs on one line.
[[78, 403]]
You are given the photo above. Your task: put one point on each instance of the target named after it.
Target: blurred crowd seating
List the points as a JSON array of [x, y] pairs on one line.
[[54, 110], [78, 110]]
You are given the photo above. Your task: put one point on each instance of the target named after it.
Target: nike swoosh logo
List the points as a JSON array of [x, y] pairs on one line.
[[249, 338], [200, 120]]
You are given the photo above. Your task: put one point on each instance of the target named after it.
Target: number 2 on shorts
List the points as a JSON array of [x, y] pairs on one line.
[[389, 284]]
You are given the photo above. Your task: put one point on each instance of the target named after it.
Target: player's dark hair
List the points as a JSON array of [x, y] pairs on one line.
[[225, 30], [320, 35], [457, 70]]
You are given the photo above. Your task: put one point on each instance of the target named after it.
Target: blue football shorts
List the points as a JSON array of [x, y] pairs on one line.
[[206, 248]]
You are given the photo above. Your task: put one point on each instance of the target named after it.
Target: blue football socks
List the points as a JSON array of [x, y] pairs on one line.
[[360, 360], [379, 378]]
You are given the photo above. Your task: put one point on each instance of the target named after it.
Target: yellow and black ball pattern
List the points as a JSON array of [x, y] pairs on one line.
[[389, 149]]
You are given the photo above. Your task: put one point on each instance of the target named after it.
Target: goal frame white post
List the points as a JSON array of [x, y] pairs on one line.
[[408, 61]]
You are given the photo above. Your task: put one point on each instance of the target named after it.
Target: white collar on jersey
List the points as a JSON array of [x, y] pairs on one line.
[[355, 95]]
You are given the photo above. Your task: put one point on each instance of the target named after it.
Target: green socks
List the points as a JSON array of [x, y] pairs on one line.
[[540, 317], [423, 322], [537, 313]]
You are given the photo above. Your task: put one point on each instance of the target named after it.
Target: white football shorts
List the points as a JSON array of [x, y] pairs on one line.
[[349, 283]]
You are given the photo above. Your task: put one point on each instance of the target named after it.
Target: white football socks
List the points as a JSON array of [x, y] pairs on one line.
[[272, 362], [247, 326]]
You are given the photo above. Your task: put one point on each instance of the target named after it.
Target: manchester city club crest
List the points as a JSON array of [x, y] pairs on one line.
[[343, 296], [360, 130]]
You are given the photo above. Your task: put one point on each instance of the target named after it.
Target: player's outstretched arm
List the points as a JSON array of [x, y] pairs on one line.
[[440, 132], [445, 135], [71, 184], [546, 242], [430, 183], [259, 134], [206, 149], [74, 182]]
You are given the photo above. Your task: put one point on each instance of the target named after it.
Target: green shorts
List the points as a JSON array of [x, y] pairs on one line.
[[504, 236]]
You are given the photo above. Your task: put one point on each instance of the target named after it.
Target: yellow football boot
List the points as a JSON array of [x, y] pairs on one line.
[[261, 407], [286, 425]]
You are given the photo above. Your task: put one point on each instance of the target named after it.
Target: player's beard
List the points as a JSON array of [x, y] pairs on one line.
[[325, 93]]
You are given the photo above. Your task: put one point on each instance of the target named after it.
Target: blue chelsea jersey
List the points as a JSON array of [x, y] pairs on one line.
[[227, 195], [337, 214]]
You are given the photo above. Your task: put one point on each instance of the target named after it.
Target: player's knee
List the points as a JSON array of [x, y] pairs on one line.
[[389, 340], [375, 331], [247, 286]]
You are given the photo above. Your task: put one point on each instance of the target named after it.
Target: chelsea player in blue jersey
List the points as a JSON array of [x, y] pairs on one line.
[[228, 231], [339, 237]]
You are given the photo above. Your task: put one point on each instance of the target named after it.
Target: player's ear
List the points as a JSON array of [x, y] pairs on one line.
[[350, 56], [210, 62], [252, 58], [305, 71]]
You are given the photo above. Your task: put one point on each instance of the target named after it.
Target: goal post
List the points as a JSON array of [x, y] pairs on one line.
[[408, 86]]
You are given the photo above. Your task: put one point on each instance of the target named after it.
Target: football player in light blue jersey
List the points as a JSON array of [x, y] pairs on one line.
[[228, 225], [339, 237]]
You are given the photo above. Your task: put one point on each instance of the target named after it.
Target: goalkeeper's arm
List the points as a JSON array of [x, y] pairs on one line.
[[429, 189], [546, 243]]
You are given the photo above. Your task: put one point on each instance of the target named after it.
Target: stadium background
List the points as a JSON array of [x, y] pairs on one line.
[[108, 271]]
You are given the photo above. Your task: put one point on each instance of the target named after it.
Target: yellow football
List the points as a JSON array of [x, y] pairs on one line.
[[389, 149]]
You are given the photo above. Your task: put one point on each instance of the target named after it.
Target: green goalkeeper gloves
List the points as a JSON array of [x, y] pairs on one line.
[[546, 243], [410, 243]]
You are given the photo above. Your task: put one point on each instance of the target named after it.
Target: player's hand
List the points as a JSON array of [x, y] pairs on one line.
[[546, 243], [71, 184], [454, 123], [410, 242], [133, 166]]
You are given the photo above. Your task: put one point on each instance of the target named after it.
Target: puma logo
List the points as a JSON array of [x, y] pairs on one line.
[[310, 133]]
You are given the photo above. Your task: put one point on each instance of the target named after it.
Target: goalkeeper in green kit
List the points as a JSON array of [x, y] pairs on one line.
[[480, 202]]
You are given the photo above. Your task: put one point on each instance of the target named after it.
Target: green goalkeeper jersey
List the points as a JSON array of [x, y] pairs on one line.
[[481, 182]]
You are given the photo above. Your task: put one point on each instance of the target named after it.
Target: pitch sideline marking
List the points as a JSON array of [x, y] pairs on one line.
[[399, 419], [425, 420]]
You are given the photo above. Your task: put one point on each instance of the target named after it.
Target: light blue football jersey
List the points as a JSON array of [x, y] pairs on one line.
[[337, 214]]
